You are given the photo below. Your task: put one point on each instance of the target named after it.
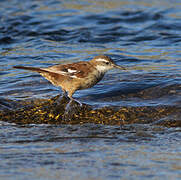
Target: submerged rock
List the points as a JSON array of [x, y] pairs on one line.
[[54, 111]]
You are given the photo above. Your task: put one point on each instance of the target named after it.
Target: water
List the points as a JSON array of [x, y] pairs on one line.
[[140, 35]]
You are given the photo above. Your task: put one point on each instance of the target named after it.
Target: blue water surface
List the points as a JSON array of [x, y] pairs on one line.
[[144, 36]]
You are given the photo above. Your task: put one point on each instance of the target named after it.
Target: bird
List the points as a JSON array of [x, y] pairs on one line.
[[76, 76]]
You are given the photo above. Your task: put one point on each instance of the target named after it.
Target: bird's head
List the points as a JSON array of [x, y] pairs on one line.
[[104, 63]]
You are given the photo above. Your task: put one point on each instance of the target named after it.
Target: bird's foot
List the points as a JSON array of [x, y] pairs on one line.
[[77, 102], [71, 108], [68, 106]]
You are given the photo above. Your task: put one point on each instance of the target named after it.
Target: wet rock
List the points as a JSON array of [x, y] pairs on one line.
[[53, 111]]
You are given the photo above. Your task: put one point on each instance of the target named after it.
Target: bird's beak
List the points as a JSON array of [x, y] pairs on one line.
[[119, 67]]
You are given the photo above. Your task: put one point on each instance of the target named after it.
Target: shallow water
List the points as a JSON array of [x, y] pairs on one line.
[[90, 152], [140, 35]]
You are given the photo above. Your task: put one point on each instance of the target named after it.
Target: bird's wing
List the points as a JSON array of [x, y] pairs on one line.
[[74, 70]]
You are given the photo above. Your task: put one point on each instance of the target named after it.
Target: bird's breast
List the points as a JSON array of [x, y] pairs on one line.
[[91, 80]]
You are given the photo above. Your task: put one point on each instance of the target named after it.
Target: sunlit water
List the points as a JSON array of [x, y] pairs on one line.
[[144, 36]]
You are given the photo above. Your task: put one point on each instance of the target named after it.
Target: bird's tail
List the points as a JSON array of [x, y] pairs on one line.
[[39, 70]]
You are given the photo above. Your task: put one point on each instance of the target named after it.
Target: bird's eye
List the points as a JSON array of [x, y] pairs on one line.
[[107, 63]]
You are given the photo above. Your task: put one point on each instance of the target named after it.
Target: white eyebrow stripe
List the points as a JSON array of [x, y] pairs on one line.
[[103, 60]]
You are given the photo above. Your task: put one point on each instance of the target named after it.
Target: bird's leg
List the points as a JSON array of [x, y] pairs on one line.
[[71, 100], [62, 98], [64, 93]]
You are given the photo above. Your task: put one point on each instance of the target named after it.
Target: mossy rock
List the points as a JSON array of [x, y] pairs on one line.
[[53, 111]]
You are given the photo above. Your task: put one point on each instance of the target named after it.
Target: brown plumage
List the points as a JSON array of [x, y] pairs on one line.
[[76, 76]]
